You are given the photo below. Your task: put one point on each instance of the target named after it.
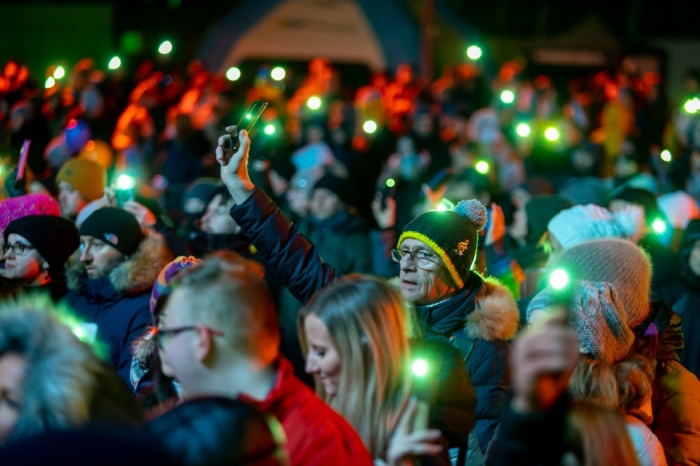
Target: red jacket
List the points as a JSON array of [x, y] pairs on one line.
[[316, 435]]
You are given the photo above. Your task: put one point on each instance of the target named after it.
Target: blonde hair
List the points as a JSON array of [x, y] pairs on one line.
[[598, 436], [366, 320], [227, 292], [623, 386]]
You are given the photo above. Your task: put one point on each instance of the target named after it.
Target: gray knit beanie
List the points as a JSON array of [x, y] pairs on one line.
[[598, 317], [618, 262]]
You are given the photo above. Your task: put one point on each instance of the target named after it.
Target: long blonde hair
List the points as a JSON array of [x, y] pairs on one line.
[[366, 320], [597, 436]]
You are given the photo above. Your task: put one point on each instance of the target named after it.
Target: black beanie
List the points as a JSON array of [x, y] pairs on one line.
[[641, 197], [116, 227], [338, 186], [451, 234], [55, 238]]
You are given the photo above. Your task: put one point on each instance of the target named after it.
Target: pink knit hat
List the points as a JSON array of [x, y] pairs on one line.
[[29, 204]]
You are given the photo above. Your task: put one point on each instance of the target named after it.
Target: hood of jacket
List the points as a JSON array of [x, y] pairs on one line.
[[485, 309], [133, 276], [660, 335]]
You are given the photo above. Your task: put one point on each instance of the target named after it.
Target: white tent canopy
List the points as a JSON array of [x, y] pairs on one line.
[[305, 29]]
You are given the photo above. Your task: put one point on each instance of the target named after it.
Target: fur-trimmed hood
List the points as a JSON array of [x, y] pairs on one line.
[[133, 276], [491, 311], [495, 315]]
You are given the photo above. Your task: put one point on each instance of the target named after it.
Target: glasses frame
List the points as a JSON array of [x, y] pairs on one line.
[[424, 263], [173, 332], [25, 247]]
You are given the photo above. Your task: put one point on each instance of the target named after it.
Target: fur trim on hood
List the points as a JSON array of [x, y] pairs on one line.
[[135, 275], [495, 316]]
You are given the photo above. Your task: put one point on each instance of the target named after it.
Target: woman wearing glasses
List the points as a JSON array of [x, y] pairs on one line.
[[35, 251]]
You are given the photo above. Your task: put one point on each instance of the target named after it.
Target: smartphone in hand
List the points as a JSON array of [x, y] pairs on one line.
[[247, 122]]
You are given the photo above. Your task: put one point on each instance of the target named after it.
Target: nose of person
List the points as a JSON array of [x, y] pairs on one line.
[[85, 255], [407, 263], [311, 365]]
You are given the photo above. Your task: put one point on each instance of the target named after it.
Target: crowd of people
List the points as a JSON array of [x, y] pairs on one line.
[[477, 270]]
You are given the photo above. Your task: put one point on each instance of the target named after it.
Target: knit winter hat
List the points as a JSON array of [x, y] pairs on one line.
[[338, 186], [598, 316], [540, 210], [167, 274], [30, 204], [116, 227], [55, 238], [618, 262], [583, 223], [451, 234], [87, 177]]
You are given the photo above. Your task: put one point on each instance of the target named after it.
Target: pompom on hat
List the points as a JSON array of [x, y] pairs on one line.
[[451, 234], [166, 276]]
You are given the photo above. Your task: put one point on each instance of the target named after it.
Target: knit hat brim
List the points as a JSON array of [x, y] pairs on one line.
[[437, 250]]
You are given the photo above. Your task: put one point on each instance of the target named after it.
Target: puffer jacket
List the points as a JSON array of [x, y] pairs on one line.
[[118, 303], [478, 320], [676, 390]]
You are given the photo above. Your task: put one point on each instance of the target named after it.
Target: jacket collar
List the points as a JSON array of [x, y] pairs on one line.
[[133, 276], [484, 309]]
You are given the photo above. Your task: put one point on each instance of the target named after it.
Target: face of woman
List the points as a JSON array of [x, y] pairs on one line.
[[28, 265], [322, 358], [12, 371]]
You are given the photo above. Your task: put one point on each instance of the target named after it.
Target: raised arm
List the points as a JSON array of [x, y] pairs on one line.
[[289, 254]]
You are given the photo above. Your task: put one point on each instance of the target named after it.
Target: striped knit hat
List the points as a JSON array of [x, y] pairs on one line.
[[451, 234], [166, 276]]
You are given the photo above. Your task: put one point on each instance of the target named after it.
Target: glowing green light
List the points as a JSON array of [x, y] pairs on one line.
[[482, 167], [420, 367], [126, 182], [278, 73], [50, 82], [269, 129], [552, 134], [559, 279], [59, 72], [474, 52], [233, 74], [507, 97], [659, 226], [165, 47], [666, 155], [692, 105], [445, 205], [390, 183], [314, 103], [523, 130], [369, 126], [114, 63]]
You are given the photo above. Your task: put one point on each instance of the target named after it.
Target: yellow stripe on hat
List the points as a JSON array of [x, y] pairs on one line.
[[437, 249]]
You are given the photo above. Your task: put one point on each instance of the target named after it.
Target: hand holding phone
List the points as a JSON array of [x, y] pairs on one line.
[[247, 122]]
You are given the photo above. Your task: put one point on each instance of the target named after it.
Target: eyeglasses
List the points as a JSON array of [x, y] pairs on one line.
[[163, 335], [421, 258], [17, 247]]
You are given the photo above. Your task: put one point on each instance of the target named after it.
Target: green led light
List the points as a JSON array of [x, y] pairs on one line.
[[314, 103], [474, 52], [507, 97], [559, 279], [390, 183], [523, 130], [165, 47], [369, 126], [114, 63], [269, 129], [126, 182], [233, 74], [552, 134], [59, 72], [420, 367], [482, 167], [659, 226], [666, 156], [277, 73]]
